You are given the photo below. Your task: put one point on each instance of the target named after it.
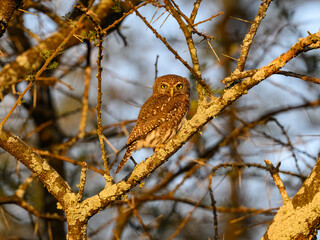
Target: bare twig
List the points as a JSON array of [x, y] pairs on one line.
[[14, 199], [195, 70], [136, 213], [82, 180], [222, 209], [42, 69], [214, 209], [21, 191], [85, 103], [289, 144], [301, 76], [244, 74], [274, 171], [247, 41], [66, 159], [186, 177], [190, 24], [156, 68], [99, 96], [209, 19], [171, 49], [183, 223], [115, 23], [99, 101], [187, 30]]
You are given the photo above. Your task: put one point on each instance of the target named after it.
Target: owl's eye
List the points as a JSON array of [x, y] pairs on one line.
[[179, 86], [164, 86]]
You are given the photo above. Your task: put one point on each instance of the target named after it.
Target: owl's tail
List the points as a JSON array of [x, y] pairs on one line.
[[126, 156]]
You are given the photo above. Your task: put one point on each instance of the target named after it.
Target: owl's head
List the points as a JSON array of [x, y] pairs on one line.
[[171, 85]]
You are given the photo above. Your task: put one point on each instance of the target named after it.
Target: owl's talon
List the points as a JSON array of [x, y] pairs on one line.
[[134, 161], [158, 147]]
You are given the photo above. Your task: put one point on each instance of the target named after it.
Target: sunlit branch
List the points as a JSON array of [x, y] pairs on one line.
[[42, 69], [247, 41], [274, 171]]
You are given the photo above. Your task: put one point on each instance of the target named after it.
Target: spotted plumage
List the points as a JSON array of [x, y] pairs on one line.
[[161, 116]]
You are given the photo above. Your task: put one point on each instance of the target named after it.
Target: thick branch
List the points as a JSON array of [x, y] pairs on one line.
[[23, 153], [300, 218], [30, 61]]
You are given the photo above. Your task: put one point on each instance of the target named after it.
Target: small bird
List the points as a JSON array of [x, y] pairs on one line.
[[161, 116]]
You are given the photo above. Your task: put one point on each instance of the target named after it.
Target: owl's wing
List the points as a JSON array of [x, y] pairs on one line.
[[157, 110], [126, 156], [154, 112]]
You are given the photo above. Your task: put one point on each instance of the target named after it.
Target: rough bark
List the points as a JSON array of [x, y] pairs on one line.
[[299, 218], [7, 8]]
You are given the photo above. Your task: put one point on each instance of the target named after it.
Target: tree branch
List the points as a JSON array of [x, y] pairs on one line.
[[204, 115], [23, 153], [30, 61], [247, 41], [7, 8], [298, 219]]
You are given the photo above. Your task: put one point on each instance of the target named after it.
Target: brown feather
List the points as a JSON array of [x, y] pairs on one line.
[[126, 156], [160, 116]]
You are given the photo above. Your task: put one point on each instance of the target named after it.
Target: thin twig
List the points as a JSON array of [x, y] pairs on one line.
[[66, 159], [99, 102], [52, 80], [154, 15], [185, 63], [274, 171], [171, 49], [301, 76], [99, 96], [185, 178], [21, 191], [29, 208], [222, 209], [247, 41], [156, 68], [190, 24], [187, 30], [82, 180], [209, 19], [104, 32], [85, 102], [284, 132], [214, 209], [135, 212], [42, 69], [214, 52], [183, 223]]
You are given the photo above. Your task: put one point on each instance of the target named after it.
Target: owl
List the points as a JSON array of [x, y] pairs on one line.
[[161, 116]]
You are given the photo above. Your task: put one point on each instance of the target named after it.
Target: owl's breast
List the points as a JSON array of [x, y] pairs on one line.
[[159, 136], [159, 120]]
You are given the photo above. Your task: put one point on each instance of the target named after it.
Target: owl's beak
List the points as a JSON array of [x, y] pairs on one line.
[[171, 91]]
